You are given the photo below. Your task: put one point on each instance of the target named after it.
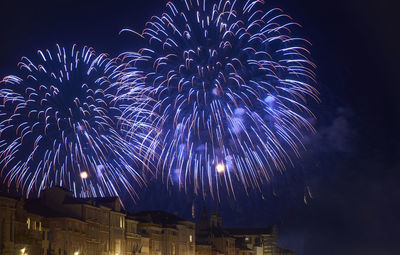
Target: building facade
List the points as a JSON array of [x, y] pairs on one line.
[[235, 241], [260, 241], [57, 223], [168, 233], [210, 232]]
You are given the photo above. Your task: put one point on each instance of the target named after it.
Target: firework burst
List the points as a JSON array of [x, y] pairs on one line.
[[60, 125], [231, 82]]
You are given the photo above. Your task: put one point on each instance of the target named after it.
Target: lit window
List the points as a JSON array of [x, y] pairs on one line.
[[190, 238], [121, 222], [28, 223], [40, 226], [34, 225]]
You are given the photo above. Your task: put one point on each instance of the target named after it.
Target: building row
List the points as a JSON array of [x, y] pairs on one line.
[[58, 223]]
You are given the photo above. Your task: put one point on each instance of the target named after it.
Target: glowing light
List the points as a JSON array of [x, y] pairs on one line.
[[220, 168], [84, 175]]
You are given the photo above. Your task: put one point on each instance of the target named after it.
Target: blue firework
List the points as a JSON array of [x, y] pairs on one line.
[[231, 83], [60, 125]]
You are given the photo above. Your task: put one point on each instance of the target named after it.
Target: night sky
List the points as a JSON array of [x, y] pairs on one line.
[[342, 196]]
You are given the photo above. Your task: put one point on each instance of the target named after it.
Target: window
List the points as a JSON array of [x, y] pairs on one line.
[[34, 225], [106, 245], [121, 222], [40, 226], [117, 246], [28, 223], [190, 238]]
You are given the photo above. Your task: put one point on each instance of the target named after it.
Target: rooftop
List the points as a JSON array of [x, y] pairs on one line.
[[250, 231], [158, 217]]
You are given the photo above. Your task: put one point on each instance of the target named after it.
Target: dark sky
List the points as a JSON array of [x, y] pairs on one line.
[[351, 167]]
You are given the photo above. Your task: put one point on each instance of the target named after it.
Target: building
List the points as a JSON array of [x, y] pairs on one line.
[[209, 232], [80, 225], [262, 241], [235, 241], [20, 230], [168, 233], [281, 251], [57, 223]]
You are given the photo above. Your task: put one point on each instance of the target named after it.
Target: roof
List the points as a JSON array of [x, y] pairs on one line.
[[96, 201], [157, 217], [9, 195], [242, 245], [250, 231], [213, 231], [44, 207], [8, 192], [59, 187], [36, 207], [219, 232]]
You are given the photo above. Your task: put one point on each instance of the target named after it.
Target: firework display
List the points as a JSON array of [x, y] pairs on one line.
[[60, 126], [230, 82]]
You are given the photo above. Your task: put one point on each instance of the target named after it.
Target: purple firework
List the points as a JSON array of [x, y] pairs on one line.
[[60, 125], [231, 83]]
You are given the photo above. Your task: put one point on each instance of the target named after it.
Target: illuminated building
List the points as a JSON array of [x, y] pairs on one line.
[[168, 233], [57, 223]]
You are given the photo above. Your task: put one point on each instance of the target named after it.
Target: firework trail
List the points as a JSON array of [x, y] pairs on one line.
[[60, 126], [231, 83]]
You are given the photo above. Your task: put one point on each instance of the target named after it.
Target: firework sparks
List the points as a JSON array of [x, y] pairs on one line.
[[231, 83], [60, 125]]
